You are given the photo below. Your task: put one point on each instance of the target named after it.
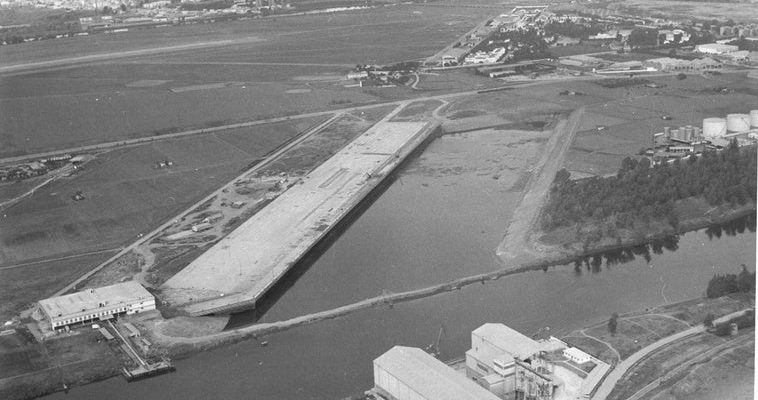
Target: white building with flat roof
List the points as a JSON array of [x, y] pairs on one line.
[[409, 373], [576, 355], [97, 304]]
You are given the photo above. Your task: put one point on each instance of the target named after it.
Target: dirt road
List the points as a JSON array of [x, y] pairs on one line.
[[515, 246]]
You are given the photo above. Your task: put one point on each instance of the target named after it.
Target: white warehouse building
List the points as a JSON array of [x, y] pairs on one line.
[[409, 373], [715, 48], [97, 304]]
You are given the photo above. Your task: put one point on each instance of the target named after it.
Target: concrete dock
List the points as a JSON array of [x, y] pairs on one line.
[[237, 271]]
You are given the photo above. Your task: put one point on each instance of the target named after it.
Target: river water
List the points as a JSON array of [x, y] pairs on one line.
[[440, 219]]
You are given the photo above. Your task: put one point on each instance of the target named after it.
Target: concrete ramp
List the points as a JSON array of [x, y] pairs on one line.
[[236, 272]]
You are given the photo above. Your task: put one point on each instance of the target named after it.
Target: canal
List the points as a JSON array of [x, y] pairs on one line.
[[440, 219]]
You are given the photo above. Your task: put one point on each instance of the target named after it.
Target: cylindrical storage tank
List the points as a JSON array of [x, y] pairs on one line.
[[754, 118], [714, 127], [667, 131], [697, 132], [737, 122], [675, 134], [688, 132]]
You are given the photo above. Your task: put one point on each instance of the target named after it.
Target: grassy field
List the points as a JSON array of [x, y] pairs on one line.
[[246, 79], [639, 329], [630, 114], [689, 9], [20, 287], [728, 375], [72, 360], [634, 333], [49, 223]]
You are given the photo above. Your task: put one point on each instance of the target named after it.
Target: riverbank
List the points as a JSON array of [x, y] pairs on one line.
[[182, 337], [564, 244]]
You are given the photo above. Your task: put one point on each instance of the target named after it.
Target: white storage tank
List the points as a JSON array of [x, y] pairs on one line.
[[714, 127], [737, 122], [754, 118]]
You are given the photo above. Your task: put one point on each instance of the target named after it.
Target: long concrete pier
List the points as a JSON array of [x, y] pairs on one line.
[[236, 272]]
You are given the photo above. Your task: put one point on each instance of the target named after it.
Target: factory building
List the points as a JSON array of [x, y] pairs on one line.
[[97, 304], [408, 373], [675, 64], [715, 48], [506, 362]]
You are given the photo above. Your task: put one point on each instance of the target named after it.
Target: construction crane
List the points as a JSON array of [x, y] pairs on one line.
[[434, 348]]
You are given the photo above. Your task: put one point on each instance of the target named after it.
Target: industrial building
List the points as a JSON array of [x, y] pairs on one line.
[[676, 64], [505, 361], [501, 364], [717, 132], [408, 373], [97, 304], [715, 48]]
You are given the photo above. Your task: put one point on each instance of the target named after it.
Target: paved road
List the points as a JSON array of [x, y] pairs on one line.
[[618, 372]]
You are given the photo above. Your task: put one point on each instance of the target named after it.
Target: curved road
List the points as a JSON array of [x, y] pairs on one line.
[[618, 372]]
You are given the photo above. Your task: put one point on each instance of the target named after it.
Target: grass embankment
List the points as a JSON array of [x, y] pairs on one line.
[[636, 330]]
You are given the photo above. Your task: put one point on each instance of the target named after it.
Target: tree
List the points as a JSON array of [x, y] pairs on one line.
[[745, 280], [123, 7], [643, 37], [708, 320], [613, 324]]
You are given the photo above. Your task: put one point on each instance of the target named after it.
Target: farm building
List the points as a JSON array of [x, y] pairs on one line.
[[408, 373], [97, 304]]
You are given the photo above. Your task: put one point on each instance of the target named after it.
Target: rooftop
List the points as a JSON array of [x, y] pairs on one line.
[[574, 352], [509, 340], [430, 377], [95, 298]]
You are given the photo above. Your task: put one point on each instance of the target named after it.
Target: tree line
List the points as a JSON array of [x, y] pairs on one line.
[[721, 285], [640, 193]]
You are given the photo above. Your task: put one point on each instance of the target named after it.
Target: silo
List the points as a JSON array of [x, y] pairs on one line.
[[737, 122], [754, 118], [714, 127], [688, 133]]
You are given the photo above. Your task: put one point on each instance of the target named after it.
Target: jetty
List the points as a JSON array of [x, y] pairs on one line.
[[237, 271]]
